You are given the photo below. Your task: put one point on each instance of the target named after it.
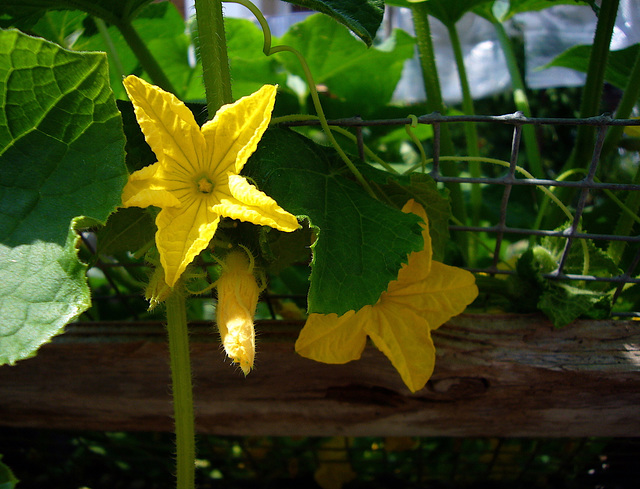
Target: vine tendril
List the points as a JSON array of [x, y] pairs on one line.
[[268, 50]]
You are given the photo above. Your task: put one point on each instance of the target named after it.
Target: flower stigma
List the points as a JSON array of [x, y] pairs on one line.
[[205, 185]]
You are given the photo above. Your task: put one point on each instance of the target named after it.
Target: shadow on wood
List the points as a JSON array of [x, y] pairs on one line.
[[495, 376]]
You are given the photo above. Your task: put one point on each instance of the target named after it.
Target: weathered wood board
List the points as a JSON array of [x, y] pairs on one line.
[[495, 376]]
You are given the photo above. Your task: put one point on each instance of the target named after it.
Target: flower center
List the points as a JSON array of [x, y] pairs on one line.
[[205, 185]]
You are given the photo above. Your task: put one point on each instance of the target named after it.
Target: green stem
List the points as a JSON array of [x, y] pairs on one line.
[[435, 103], [470, 129], [144, 56], [182, 390], [213, 54], [521, 101], [591, 98], [625, 222], [628, 101], [268, 51]]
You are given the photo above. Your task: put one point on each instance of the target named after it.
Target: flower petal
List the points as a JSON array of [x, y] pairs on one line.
[[419, 263], [168, 126], [447, 292], [144, 188], [183, 232], [247, 203], [331, 339], [233, 134], [405, 339]]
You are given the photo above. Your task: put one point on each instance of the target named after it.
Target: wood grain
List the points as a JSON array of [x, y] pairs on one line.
[[495, 376]]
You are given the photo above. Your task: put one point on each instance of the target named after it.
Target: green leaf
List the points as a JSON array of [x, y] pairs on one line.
[[619, 64], [349, 70], [250, 68], [566, 300], [584, 258], [361, 242], [563, 304], [128, 229], [423, 189], [363, 17], [7, 479], [61, 157]]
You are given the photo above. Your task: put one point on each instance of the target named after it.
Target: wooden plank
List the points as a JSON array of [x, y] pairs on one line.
[[495, 376]]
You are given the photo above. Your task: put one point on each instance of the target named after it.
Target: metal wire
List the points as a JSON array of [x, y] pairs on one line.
[[510, 180]]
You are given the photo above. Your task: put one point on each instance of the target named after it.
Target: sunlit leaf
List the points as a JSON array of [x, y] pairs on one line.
[[349, 70], [363, 17], [61, 157]]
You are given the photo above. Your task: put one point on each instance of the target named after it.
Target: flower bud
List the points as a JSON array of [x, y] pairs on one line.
[[238, 293], [157, 291]]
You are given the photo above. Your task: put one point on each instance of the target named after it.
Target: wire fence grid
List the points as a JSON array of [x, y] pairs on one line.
[[509, 180]]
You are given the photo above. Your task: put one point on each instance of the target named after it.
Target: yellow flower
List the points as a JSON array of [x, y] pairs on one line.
[[238, 294], [196, 180], [426, 294]]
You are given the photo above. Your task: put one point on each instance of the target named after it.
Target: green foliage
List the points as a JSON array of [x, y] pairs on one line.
[[564, 301], [250, 68], [350, 71], [398, 189], [361, 242], [163, 30], [7, 479], [363, 17], [61, 157], [617, 72]]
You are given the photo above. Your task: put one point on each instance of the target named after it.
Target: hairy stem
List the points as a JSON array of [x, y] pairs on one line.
[[213, 54], [435, 103], [181, 388]]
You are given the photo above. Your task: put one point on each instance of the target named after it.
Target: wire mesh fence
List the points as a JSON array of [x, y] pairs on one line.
[[498, 226], [515, 178]]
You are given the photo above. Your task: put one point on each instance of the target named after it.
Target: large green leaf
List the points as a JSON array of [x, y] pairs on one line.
[[423, 189], [619, 63], [361, 242], [348, 69], [363, 17], [61, 157]]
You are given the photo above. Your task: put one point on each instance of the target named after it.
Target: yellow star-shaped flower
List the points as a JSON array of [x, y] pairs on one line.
[[196, 180], [426, 294]]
